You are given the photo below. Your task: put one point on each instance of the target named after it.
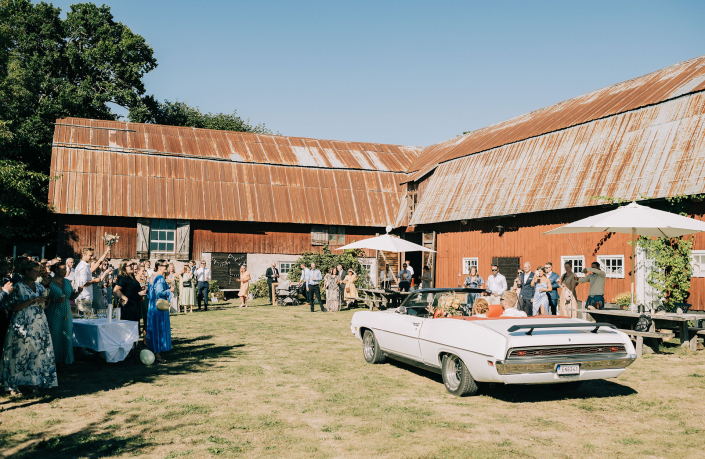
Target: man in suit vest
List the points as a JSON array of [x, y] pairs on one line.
[[272, 278], [553, 294], [526, 294]]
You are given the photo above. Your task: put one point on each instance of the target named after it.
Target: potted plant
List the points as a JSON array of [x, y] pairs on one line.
[[623, 300]]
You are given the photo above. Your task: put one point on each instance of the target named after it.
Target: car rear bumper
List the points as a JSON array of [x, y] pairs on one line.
[[549, 366], [552, 378]]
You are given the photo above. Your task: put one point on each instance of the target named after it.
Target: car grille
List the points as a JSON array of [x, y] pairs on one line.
[[564, 351]]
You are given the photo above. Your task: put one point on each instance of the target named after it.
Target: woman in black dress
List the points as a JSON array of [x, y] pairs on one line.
[[129, 291]]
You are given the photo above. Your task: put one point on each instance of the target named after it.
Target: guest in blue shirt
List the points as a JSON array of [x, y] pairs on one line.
[[404, 279], [314, 278]]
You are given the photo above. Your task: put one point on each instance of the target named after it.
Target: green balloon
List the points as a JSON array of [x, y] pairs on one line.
[[147, 357]]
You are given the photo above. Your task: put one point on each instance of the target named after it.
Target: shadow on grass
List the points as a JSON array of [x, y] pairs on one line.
[[598, 388]]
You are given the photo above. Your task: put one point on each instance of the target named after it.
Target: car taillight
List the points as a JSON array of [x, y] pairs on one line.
[[522, 353], [614, 349]]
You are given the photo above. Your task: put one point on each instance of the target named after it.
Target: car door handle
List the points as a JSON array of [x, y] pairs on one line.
[[416, 324]]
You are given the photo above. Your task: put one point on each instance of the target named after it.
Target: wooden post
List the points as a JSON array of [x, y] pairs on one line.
[[633, 271]]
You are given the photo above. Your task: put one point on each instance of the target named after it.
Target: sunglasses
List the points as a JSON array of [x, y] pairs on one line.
[[494, 270]]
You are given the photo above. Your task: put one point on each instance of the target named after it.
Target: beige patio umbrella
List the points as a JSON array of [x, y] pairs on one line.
[[636, 220]]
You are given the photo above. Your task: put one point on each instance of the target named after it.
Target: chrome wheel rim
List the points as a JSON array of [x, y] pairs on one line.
[[368, 347], [453, 372]]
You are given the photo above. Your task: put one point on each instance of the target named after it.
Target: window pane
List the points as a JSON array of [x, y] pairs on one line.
[[153, 246], [170, 236], [162, 235], [170, 247], [162, 246], [157, 224], [155, 235], [170, 224]]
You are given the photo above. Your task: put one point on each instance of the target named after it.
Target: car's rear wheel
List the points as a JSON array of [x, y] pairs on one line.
[[370, 348], [457, 378]]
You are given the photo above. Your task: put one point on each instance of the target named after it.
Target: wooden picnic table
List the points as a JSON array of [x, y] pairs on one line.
[[670, 321], [379, 298]]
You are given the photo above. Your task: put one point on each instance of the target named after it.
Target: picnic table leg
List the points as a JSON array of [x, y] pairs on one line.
[[639, 346], [685, 342]]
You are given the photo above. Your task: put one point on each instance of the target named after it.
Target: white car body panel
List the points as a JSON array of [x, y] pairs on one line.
[[484, 346]]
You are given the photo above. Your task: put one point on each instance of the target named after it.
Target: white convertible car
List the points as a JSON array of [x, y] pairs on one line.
[[471, 350]]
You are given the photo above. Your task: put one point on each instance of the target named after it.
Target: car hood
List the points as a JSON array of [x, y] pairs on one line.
[[542, 337]]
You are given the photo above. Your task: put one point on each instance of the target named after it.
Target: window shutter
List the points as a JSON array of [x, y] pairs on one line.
[[319, 235], [143, 227], [183, 231]]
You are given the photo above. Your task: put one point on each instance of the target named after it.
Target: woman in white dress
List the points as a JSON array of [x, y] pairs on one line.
[[28, 357], [187, 288]]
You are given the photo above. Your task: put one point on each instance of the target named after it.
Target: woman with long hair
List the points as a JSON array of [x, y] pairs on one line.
[[59, 314], [568, 297], [158, 322], [129, 291], [541, 286], [28, 356], [330, 282], [473, 280], [244, 285], [187, 288], [350, 289], [172, 281]]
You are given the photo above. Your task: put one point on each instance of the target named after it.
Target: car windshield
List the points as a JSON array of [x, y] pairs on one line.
[[418, 302]]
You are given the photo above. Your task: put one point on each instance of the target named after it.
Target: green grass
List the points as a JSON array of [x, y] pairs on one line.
[[281, 382]]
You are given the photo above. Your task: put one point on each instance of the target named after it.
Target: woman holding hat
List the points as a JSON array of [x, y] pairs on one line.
[[350, 290]]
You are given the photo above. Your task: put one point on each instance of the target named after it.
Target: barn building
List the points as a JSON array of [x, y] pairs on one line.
[[227, 197], [489, 195], [481, 198]]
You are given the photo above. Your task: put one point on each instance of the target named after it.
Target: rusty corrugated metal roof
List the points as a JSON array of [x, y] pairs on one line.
[[671, 82], [234, 146], [652, 152], [128, 184]]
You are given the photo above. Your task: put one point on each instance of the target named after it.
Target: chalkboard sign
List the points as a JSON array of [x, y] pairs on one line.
[[225, 268]]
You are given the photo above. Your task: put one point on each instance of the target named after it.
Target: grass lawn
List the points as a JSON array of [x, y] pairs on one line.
[[269, 381]]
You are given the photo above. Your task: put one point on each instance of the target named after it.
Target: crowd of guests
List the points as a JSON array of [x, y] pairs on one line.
[[537, 292]]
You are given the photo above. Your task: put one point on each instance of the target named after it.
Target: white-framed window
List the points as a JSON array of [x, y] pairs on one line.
[[162, 236], [285, 266], [577, 262], [469, 263], [612, 265], [698, 262]]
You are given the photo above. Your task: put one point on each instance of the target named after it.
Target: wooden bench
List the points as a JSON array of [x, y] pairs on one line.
[[652, 343], [695, 333]]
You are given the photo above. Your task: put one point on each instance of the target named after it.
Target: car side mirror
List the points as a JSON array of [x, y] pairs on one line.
[[401, 309]]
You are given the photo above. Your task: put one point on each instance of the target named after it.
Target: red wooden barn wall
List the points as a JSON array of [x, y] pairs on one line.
[[523, 238]]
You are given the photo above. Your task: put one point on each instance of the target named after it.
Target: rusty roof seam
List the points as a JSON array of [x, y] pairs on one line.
[[148, 152], [415, 172]]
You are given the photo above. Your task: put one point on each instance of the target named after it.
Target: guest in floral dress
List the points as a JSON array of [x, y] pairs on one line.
[[158, 322], [59, 315], [28, 355], [332, 291]]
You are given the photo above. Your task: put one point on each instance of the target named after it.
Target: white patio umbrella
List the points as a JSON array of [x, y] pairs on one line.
[[386, 243], [634, 219]]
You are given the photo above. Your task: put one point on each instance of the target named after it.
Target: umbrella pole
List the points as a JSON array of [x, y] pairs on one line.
[[633, 271]]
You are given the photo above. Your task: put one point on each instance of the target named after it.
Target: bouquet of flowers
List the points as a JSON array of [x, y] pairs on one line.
[[448, 305], [110, 239]]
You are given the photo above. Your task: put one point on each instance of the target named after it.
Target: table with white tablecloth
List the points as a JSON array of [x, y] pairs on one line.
[[115, 339]]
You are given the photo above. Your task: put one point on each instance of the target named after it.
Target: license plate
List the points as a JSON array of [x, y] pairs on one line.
[[568, 369]]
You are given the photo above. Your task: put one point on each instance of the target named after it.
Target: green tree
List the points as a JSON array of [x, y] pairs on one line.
[[181, 114], [52, 68]]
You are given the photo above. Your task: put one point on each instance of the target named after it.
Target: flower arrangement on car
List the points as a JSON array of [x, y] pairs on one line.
[[448, 305]]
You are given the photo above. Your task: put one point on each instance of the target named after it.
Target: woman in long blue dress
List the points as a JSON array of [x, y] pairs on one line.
[[158, 322], [541, 285], [28, 355], [59, 315]]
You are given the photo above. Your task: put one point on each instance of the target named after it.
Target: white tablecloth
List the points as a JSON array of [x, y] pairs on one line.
[[115, 338]]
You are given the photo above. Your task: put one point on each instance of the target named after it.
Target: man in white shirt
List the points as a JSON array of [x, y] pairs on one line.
[[404, 278], [496, 284], [203, 276], [148, 269], [509, 303], [409, 268], [314, 278], [83, 277], [305, 274]]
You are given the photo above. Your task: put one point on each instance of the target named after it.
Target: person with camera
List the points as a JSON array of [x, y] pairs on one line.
[[28, 354]]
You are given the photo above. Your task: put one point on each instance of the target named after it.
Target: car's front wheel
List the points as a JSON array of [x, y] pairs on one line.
[[370, 348], [457, 378]]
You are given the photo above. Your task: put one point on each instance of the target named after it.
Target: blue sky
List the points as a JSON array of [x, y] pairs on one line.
[[401, 72]]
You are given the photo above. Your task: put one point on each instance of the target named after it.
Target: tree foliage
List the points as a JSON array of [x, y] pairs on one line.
[[325, 260], [181, 114]]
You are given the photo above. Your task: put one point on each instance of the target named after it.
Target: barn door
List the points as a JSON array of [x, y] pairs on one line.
[[143, 227], [183, 230], [508, 267], [429, 258]]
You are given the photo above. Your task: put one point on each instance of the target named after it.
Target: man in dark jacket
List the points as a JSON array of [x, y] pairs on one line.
[[553, 294], [272, 278], [526, 294]]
